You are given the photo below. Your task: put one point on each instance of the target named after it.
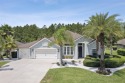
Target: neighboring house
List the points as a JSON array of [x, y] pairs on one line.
[[121, 43], [40, 49]]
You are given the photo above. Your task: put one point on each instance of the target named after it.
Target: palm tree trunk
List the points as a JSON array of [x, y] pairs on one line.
[[102, 64], [10, 56], [1, 57], [110, 44], [61, 54], [97, 46]]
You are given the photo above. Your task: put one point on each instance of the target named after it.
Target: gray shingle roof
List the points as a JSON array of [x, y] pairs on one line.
[[122, 42], [27, 45], [18, 43], [73, 34]]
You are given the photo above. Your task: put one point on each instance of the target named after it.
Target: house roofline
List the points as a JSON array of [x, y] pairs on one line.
[[40, 41]]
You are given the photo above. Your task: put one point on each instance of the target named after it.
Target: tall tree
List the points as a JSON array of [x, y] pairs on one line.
[[98, 27], [10, 44], [61, 37], [2, 45]]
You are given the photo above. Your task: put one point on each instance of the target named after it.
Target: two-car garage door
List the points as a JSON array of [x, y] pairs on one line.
[[46, 53]]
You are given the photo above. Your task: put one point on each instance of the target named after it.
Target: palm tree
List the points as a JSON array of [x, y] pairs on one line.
[[123, 28], [10, 44], [61, 37], [114, 31], [2, 45], [99, 26]]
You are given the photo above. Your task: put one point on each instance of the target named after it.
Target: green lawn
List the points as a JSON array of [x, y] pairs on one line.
[[107, 50], [3, 63], [77, 75], [114, 52]]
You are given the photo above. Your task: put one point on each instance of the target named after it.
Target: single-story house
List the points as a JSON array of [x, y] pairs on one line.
[[14, 51], [121, 43], [39, 49]]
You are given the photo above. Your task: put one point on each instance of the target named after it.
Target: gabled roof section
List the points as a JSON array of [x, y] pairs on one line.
[[27, 45], [18, 43], [121, 42], [74, 35]]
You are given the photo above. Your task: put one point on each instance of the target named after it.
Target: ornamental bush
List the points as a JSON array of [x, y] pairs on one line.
[[114, 62], [121, 52], [91, 62], [111, 62]]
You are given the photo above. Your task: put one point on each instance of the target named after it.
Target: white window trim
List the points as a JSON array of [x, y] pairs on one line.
[[69, 50]]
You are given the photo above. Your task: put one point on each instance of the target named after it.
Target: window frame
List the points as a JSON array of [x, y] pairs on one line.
[[68, 50]]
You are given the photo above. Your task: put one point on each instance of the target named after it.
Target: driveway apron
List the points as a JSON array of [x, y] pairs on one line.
[[26, 70]]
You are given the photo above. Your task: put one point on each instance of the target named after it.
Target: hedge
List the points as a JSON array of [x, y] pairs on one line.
[[68, 57], [111, 62], [91, 62], [121, 52], [114, 62]]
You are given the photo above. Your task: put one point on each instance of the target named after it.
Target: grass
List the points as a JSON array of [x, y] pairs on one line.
[[114, 52], [77, 75], [3, 63]]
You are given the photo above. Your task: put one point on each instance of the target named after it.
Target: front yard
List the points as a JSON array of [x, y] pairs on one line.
[[3, 63], [77, 75]]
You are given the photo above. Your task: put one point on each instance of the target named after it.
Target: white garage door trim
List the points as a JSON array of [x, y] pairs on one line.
[[45, 53]]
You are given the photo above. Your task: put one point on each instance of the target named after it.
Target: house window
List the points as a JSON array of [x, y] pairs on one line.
[[94, 52], [64, 50], [68, 50]]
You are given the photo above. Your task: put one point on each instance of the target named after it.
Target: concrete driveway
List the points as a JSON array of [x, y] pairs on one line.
[[26, 70]]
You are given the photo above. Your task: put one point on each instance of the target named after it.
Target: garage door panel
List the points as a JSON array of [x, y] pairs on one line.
[[46, 53], [46, 56]]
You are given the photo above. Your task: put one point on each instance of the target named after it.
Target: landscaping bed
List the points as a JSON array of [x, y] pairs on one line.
[[111, 61]]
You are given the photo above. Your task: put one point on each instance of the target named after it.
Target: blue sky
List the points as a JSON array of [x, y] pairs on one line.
[[46, 12]]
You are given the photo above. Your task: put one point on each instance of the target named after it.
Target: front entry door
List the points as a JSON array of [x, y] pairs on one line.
[[80, 51]]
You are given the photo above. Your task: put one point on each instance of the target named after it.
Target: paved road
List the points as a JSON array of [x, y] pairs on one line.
[[26, 70]]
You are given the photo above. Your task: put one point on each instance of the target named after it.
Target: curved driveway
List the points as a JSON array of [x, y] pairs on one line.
[[26, 70]]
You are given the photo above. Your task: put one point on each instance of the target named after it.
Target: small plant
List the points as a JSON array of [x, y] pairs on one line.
[[68, 57], [121, 52], [104, 72], [73, 61], [64, 63], [79, 62], [58, 63], [114, 47]]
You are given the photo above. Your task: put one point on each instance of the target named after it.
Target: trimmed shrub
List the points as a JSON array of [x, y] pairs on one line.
[[93, 62], [114, 47], [114, 62], [116, 56], [111, 62], [68, 57], [107, 54], [88, 57], [121, 52]]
